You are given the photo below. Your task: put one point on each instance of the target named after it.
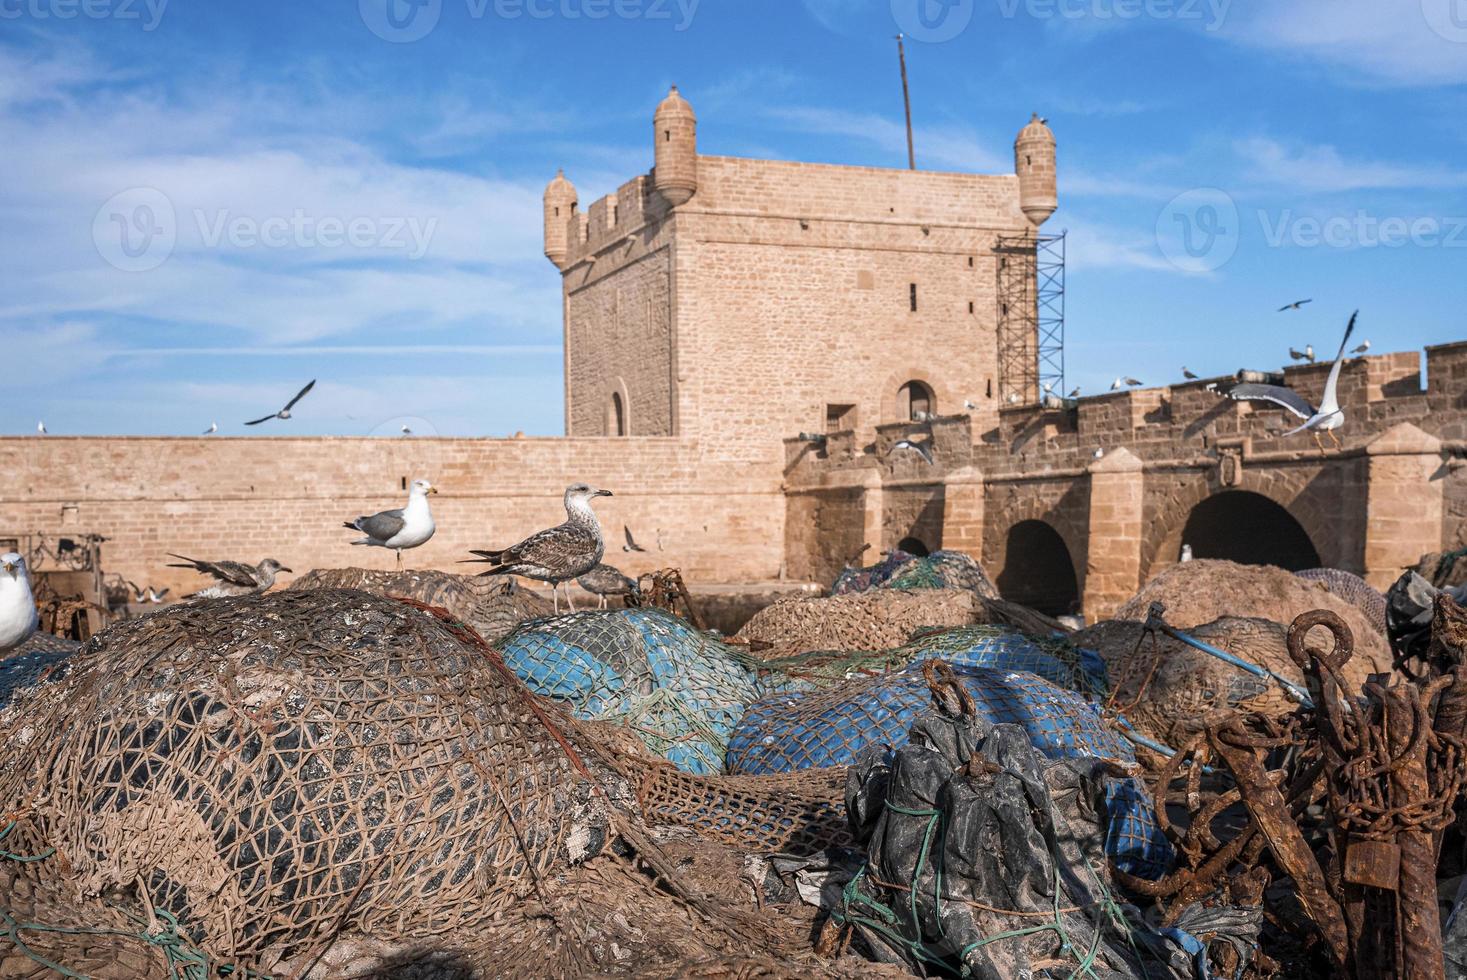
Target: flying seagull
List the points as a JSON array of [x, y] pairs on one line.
[[923, 449], [631, 544], [406, 527], [1327, 417], [232, 577], [1307, 354], [213, 428], [604, 581], [155, 597], [1188, 374], [1294, 305], [284, 413], [18, 617], [1361, 349], [557, 554]]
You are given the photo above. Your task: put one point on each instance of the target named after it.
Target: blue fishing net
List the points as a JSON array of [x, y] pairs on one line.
[[680, 690]]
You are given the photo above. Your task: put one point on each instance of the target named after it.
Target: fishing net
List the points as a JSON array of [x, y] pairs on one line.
[[1354, 590], [492, 606], [25, 667], [876, 620], [679, 689], [943, 570], [861, 579]]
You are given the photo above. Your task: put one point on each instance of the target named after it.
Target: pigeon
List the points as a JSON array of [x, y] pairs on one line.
[[631, 544], [284, 413], [923, 449], [213, 428], [1188, 374], [1327, 417], [232, 577], [407, 527], [1307, 354], [18, 616], [1294, 305], [557, 554]]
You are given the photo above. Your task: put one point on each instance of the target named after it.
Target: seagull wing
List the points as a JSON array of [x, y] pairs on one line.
[[1330, 403], [543, 549], [1277, 394], [233, 572], [265, 419], [383, 526], [299, 395]]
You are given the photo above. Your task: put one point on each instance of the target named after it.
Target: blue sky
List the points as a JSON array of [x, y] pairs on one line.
[[328, 197]]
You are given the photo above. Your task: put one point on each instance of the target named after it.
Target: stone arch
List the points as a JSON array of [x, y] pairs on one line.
[[618, 409], [914, 546], [1043, 574], [1064, 508], [1248, 528], [891, 394]]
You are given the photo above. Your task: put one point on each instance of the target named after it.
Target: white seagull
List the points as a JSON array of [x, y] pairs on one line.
[[213, 428], [18, 617], [40, 428], [1361, 349], [284, 413], [1327, 417], [407, 527], [923, 449]]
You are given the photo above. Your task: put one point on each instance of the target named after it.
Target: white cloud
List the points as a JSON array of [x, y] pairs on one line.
[[951, 147], [1091, 246], [1324, 169]]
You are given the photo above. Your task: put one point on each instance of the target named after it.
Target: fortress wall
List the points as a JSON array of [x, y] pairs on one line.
[[247, 498]]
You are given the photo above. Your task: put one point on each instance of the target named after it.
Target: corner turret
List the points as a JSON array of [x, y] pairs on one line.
[[560, 204], [1035, 164], [675, 128]]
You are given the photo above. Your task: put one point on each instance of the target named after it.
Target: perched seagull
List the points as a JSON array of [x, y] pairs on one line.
[[1099, 452], [213, 428], [557, 554], [631, 544], [1307, 354], [1361, 349], [406, 431], [1294, 305], [406, 527], [923, 449], [1186, 552], [1076, 392], [604, 581], [970, 406], [1188, 374], [232, 577], [1116, 385], [1326, 418], [40, 428], [18, 616], [284, 413]]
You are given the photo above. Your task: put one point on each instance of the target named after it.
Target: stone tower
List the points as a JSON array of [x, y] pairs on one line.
[[1034, 163], [560, 204], [675, 129]]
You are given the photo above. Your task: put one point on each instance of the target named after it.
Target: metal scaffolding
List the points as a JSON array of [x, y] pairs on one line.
[[1031, 317]]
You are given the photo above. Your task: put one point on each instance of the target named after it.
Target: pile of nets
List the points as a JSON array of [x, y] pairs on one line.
[[25, 667], [984, 857], [899, 570], [680, 690], [1354, 590], [876, 620], [492, 606]]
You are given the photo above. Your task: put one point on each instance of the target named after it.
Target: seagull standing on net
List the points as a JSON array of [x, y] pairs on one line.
[[232, 577], [1298, 303], [284, 413], [557, 554], [1327, 417], [406, 527], [18, 616]]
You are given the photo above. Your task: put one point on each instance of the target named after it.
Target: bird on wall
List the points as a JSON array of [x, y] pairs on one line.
[[1120, 383], [1307, 354], [923, 449], [213, 428], [605, 581], [406, 431], [1186, 552], [1075, 393], [232, 577], [284, 413], [18, 616], [1297, 304], [631, 544], [1361, 349], [557, 554], [1327, 417], [406, 527], [1188, 374], [40, 428]]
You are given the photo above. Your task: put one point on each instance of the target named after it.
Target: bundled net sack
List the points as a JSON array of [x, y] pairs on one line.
[[943, 570], [853, 580], [985, 858], [492, 606], [680, 690], [1354, 590], [877, 620]]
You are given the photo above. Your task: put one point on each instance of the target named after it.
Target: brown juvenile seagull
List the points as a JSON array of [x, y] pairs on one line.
[[232, 577], [557, 554], [604, 581]]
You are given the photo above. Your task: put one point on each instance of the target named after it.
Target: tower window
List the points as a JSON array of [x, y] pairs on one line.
[[667, 136], [970, 306], [914, 297], [915, 402], [970, 261], [840, 417], [616, 416]]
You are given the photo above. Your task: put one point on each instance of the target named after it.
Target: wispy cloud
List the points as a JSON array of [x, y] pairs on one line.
[[954, 147], [1324, 169]]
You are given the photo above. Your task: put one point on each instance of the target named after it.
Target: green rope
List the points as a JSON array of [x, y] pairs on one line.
[[23, 858]]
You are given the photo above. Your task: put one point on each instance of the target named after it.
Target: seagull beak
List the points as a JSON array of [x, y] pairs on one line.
[[602, 493], [10, 568], [284, 569], [432, 489]]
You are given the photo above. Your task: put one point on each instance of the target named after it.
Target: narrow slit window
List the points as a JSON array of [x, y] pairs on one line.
[[914, 297]]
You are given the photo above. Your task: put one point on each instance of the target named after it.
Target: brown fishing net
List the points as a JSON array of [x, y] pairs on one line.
[[328, 777], [876, 620], [492, 606]]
